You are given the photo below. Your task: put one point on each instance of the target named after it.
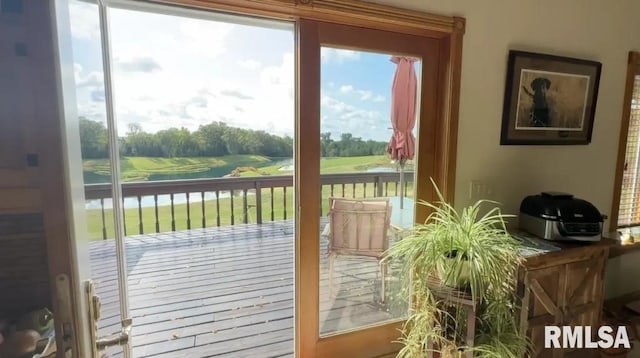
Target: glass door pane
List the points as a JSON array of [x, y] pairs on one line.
[[353, 202], [205, 116], [365, 207]]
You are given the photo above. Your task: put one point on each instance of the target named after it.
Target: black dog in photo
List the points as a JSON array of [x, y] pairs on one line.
[[539, 114]]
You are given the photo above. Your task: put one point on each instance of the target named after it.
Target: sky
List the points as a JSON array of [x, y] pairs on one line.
[[172, 71]]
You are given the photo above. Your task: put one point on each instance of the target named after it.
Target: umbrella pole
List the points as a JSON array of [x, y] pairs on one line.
[[401, 184]]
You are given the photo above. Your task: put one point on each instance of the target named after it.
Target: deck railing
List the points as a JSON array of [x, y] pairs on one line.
[[267, 197]]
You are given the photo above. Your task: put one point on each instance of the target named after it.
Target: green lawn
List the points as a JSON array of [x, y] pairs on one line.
[[136, 168], [140, 168], [342, 165]]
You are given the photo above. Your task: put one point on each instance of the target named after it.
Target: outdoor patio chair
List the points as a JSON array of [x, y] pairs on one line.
[[359, 227]]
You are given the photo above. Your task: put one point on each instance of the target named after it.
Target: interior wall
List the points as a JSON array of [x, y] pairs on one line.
[[597, 30]]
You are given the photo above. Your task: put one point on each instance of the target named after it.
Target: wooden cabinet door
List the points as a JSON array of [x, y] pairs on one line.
[[543, 299], [583, 296], [567, 294]]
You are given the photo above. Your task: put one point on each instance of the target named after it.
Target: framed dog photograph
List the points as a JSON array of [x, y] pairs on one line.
[[549, 99]]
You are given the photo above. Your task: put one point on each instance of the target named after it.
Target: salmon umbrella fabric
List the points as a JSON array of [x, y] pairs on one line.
[[403, 110], [402, 145]]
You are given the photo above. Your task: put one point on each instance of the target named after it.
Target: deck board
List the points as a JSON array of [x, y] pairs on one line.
[[223, 291]]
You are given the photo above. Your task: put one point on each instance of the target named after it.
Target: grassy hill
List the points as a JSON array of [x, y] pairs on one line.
[[142, 168], [146, 168]]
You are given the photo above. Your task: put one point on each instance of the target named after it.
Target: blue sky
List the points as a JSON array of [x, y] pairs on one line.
[[173, 71]]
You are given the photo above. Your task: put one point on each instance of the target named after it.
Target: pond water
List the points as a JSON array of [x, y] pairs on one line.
[[381, 170], [148, 201]]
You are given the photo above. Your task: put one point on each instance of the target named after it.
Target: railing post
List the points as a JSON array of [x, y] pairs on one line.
[[188, 212], [124, 217], [233, 216], [204, 215], [379, 186], [104, 223], [258, 202], [155, 212], [140, 224], [284, 190], [173, 216], [217, 207], [245, 207]]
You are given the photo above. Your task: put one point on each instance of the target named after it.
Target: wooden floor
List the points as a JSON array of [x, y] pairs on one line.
[[225, 292]]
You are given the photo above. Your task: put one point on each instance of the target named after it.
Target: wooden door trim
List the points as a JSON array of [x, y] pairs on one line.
[[363, 343], [307, 179], [437, 81], [353, 12]]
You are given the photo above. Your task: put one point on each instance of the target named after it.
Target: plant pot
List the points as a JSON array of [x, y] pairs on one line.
[[454, 272]]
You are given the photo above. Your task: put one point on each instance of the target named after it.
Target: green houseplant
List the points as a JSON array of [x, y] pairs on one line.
[[471, 250]]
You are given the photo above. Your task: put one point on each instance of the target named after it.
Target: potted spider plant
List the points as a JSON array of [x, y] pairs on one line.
[[472, 251]]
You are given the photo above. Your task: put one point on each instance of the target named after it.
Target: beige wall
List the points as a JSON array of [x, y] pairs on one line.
[[590, 29]]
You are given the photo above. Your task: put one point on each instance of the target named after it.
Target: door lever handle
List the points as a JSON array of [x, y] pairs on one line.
[[116, 339]]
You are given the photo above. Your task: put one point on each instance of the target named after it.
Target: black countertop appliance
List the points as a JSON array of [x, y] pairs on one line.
[[559, 216]]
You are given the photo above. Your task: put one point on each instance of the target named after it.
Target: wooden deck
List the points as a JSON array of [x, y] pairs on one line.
[[225, 292]]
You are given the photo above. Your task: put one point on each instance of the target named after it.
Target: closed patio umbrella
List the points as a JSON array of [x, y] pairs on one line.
[[401, 147]]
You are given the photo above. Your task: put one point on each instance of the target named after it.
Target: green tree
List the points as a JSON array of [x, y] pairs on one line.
[[94, 143], [209, 139]]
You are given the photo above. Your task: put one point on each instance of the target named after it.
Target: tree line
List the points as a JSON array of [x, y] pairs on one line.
[[212, 140]]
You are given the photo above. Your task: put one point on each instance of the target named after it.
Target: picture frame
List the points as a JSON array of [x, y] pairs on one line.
[[549, 99]]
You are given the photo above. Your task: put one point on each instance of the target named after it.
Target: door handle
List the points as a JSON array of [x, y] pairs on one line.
[[116, 339]]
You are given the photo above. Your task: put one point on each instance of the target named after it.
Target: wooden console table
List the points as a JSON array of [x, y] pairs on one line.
[[562, 288]]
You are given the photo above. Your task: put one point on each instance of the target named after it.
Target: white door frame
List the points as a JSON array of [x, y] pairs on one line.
[[71, 295]]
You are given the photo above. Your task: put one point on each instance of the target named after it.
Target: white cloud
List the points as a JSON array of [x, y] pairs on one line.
[[328, 54], [92, 79], [251, 64], [84, 20], [200, 81], [363, 95], [341, 117], [190, 102], [143, 64], [203, 38], [346, 88], [235, 93], [335, 105]]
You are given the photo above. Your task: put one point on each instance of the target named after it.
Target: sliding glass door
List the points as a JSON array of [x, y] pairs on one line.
[[359, 88], [255, 171], [187, 136]]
